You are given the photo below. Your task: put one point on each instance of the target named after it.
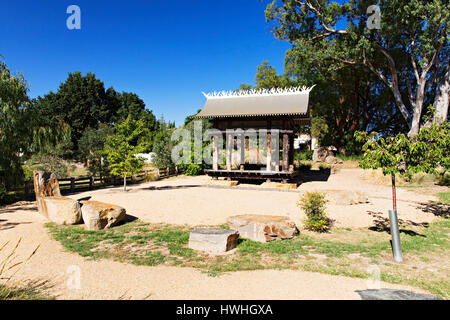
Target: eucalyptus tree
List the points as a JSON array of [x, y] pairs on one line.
[[409, 53]]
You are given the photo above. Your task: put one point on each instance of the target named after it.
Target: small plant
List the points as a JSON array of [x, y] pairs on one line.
[[313, 204], [9, 266]]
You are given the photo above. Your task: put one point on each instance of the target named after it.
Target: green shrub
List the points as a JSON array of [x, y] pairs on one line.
[[313, 204], [27, 172], [303, 155], [193, 170]]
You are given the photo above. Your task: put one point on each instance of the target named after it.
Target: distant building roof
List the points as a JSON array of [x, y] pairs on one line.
[[274, 102]]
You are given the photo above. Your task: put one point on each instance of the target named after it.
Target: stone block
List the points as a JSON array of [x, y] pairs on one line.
[[263, 228], [61, 210], [98, 215], [213, 240]]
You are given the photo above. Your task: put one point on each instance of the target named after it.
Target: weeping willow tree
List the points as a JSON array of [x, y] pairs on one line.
[[14, 131], [48, 147]]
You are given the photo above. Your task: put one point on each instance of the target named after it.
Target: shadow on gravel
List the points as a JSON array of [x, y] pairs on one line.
[[172, 187], [438, 209], [382, 224]]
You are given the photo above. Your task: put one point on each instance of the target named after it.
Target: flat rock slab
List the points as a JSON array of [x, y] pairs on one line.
[[279, 185], [99, 215], [263, 228], [213, 240], [225, 183], [392, 294], [61, 210]]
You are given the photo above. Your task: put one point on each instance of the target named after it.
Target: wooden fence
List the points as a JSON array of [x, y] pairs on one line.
[[78, 184]]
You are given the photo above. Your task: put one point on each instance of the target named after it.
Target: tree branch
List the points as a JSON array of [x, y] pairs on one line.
[[320, 16]]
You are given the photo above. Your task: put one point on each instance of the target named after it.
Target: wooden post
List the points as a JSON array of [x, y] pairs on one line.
[[291, 152], [72, 184], [91, 183], [215, 154], [285, 159], [241, 148], [277, 155], [269, 151], [229, 149]]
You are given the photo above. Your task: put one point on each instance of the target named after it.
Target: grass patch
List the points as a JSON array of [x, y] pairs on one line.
[[444, 197], [27, 292], [347, 252], [349, 157]]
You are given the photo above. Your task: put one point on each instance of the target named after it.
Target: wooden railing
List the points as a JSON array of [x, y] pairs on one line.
[[84, 183]]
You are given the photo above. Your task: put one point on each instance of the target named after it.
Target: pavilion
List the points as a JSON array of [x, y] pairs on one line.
[[270, 113]]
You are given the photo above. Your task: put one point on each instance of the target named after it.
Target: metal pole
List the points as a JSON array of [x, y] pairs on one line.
[[396, 246]]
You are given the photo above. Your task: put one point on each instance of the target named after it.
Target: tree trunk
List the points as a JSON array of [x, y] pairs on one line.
[[442, 99], [394, 193], [124, 183], [415, 123]]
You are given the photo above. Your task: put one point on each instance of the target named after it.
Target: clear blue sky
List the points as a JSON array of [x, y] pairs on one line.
[[165, 51]]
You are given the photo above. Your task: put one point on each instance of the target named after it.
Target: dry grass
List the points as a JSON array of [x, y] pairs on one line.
[[14, 289]]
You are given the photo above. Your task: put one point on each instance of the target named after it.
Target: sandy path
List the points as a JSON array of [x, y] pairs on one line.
[[188, 201], [107, 279]]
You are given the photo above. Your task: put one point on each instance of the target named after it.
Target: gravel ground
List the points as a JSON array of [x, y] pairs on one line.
[[184, 201], [189, 201]]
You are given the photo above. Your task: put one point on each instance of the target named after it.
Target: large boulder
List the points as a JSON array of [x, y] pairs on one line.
[[45, 185], [320, 154], [213, 240], [61, 210], [98, 215], [263, 228], [333, 160]]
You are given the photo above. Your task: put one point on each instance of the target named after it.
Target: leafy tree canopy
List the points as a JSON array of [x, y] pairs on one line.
[[409, 54], [121, 148], [14, 135]]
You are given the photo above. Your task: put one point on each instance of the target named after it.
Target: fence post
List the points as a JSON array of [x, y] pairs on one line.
[[72, 184], [91, 183]]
